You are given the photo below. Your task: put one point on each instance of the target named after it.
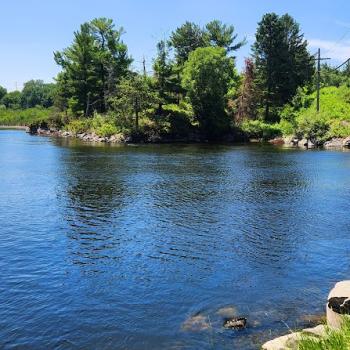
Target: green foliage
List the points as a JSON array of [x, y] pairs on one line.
[[3, 92], [78, 126], [218, 34], [207, 76], [107, 130], [186, 39], [37, 93], [92, 66], [332, 121], [180, 119], [282, 63], [24, 117], [134, 96], [260, 130], [333, 340], [12, 100], [103, 125]]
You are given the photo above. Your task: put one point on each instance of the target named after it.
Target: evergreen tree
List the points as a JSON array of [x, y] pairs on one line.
[[222, 35], [186, 39], [92, 65], [282, 62]]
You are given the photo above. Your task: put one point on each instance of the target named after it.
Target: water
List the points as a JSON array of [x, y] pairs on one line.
[[124, 247]]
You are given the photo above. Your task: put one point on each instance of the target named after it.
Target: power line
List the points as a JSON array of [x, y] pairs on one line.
[[319, 59]]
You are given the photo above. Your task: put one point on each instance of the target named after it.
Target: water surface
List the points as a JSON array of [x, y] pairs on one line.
[[120, 247]]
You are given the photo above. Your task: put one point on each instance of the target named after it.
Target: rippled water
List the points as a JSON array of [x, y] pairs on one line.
[[125, 247]]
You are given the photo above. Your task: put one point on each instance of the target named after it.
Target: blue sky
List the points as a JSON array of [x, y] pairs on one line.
[[31, 30]]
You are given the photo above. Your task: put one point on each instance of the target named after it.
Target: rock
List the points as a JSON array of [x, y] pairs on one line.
[[196, 323], [235, 323], [227, 311], [287, 342], [338, 304], [346, 142], [277, 141], [290, 341], [319, 331], [334, 143]]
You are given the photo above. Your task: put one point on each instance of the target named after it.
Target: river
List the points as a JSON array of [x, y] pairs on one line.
[[147, 246]]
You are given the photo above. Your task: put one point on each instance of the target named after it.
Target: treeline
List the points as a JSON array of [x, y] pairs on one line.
[[194, 89], [35, 93]]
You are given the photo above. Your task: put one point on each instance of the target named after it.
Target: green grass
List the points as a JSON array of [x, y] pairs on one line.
[[23, 117], [333, 120], [333, 340]]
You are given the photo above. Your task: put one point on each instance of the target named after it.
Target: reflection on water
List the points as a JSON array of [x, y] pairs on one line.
[[150, 247]]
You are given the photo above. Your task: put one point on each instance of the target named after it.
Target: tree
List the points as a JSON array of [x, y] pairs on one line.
[[37, 93], [113, 60], [3, 92], [207, 77], [222, 35], [282, 62], [247, 100], [12, 100], [92, 66], [186, 39], [133, 97], [167, 77]]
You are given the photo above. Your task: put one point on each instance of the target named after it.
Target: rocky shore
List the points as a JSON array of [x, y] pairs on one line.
[[120, 138], [335, 143], [293, 142], [337, 307]]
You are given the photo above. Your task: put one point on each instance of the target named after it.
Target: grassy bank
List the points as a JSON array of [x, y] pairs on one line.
[[333, 340], [24, 117]]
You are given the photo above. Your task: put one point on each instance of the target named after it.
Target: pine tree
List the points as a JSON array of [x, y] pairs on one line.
[[282, 62]]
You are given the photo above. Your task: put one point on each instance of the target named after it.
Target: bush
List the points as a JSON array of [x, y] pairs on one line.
[[78, 126], [301, 118], [260, 130], [106, 130], [25, 117], [179, 119]]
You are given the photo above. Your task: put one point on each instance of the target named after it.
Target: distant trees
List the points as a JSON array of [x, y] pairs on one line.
[[92, 66], [282, 62], [37, 93], [3, 92]]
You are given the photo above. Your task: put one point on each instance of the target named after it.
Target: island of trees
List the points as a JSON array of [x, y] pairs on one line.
[[194, 91]]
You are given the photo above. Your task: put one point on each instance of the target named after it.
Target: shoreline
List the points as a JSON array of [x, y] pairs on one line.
[[13, 127], [287, 142]]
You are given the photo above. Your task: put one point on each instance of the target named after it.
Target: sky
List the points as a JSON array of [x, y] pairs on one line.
[[31, 30]]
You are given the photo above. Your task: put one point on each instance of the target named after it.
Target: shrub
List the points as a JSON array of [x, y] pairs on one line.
[[78, 126], [106, 130], [259, 129], [37, 115], [179, 119]]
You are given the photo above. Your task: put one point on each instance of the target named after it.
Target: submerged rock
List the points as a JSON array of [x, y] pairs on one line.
[[227, 311], [235, 323], [196, 323]]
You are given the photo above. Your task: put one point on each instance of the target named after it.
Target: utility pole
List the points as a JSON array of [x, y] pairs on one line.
[[319, 59], [144, 66]]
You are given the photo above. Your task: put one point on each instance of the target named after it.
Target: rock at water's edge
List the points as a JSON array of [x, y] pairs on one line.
[[338, 304]]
